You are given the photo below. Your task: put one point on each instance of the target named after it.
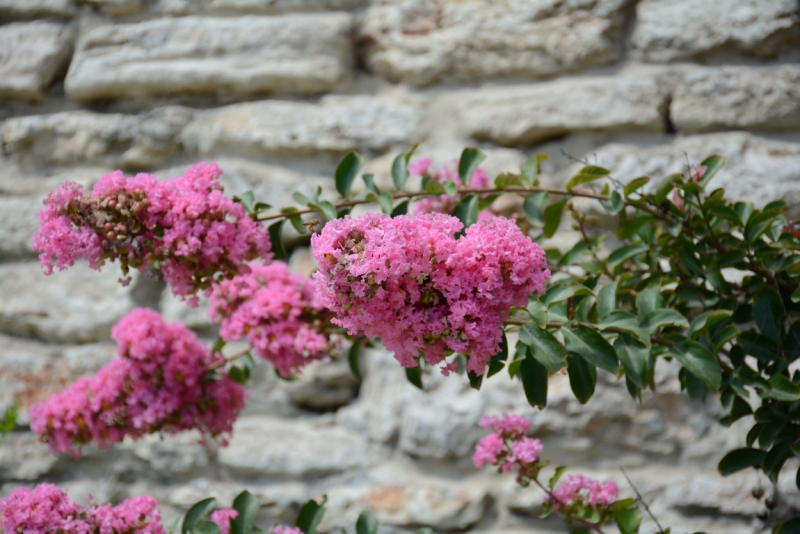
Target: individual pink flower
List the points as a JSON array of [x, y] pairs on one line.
[[444, 203], [487, 450], [280, 313], [159, 382], [526, 450], [698, 172], [507, 447], [223, 519], [584, 490], [283, 529], [508, 424], [184, 228]]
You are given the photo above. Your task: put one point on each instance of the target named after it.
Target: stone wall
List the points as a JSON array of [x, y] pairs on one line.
[[277, 91]]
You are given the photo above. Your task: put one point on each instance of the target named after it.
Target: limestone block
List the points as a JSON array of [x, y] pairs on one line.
[[114, 140], [189, 7], [172, 456], [303, 54], [18, 182], [26, 367], [683, 29], [533, 113], [293, 448], [337, 124], [23, 458], [323, 386], [117, 7], [32, 54], [738, 98], [18, 222], [421, 42], [25, 9], [74, 306], [757, 169]]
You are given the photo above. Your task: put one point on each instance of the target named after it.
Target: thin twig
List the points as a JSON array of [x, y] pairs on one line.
[[216, 364], [644, 503], [588, 243]]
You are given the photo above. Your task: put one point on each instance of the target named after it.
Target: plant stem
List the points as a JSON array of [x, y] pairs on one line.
[[216, 364], [644, 503]]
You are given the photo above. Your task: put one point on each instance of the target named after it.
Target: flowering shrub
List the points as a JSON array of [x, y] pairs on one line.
[[160, 381], [444, 203]]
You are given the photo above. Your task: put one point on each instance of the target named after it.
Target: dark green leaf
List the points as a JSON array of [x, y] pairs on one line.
[[623, 254], [204, 526], [792, 526], [470, 159], [648, 300], [700, 362], [353, 357], [628, 521], [614, 204], [467, 210], [369, 182], [607, 299], [475, 381], [247, 505], [760, 347], [712, 165], [497, 362], [275, 233], [707, 320], [414, 375], [310, 516], [782, 389], [346, 173], [560, 470], [739, 459], [400, 209], [775, 458], [622, 320], [635, 184], [552, 217], [582, 377], [366, 524], [663, 317], [386, 202], [237, 374], [297, 223], [590, 345], [544, 346], [534, 380], [587, 174], [400, 171], [195, 513], [633, 356], [768, 313]]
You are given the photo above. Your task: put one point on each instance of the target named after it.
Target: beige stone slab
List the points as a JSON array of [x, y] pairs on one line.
[[421, 42], [32, 54], [191, 7], [683, 29], [228, 57], [24, 9]]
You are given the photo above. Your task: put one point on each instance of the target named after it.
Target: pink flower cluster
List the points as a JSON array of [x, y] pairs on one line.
[[184, 227], [223, 518], [47, 509], [280, 313], [283, 529], [159, 382], [583, 490], [507, 446], [443, 203], [408, 281]]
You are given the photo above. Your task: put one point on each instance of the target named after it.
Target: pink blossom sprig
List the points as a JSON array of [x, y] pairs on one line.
[[185, 228], [581, 491], [159, 382], [283, 529], [48, 509], [223, 518], [409, 281], [280, 313], [444, 203]]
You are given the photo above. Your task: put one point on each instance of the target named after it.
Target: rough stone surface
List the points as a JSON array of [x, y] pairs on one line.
[[683, 29], [23, 9], [114, 140], [336, 124], [738, 98], [421, 42], [18, 222], [187, 7], [117, 7], [529, 114], [303, 54], [32, 54], [74, 306]]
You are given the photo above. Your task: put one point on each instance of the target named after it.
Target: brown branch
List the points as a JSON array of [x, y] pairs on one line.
[[216, 364]]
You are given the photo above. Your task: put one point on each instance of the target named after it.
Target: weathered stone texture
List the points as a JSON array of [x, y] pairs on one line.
[[32, 54], [421, 42], [117, 7], [336, 124], [738, 98], [23, 9], [220, 56], [683, 29], [530, 114], [80, 137], [187, 7], [18, 222]]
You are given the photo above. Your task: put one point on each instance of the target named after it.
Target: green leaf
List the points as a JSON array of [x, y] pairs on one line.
[[560, 470], [497, 362], [424, 530], [633, 356], [366, 524], [530, 169], [768, 313], [648, 300], [434, 187], [508, 179], [247, 505], [414, 375], [237, 374], [386, 201], [635, 184], [470, 159], [346, 173], [195, 513], [400, 171], [607, 299], [666, 187], [628, 521], [353, 357], [739, 459], [700, 362], [9, 420], [707, 320], [552, 217], [247, 201], [475, 381], [400, 209], [626, 321], [712, 165], [369, 182], [467, 210], [310, 516], [544, 346], [204, 526], [534, 380], [450, 187], [587, 174], [591, 346], [782, 389], [663, 317], [582, 377], [760, 347], [275, 233], [614, 204], [327, 209], [297, 223], [623, 254]]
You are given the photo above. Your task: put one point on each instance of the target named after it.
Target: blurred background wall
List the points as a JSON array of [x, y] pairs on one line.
[[277, 91]]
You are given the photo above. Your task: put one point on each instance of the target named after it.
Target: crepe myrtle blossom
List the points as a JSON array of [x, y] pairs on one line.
[[281, 314], [46, 508], [283, 529], [185, 228], [410, 282], [444, 203], [223, 518], [507, 446], [158, 382], [580, 490]]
